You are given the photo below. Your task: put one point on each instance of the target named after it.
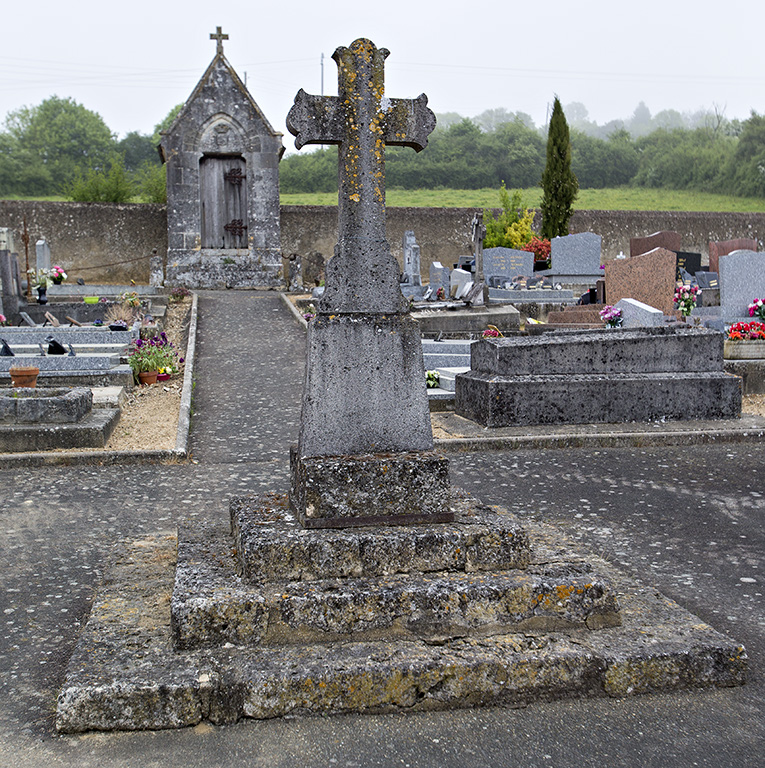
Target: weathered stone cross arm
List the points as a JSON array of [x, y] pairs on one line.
[[321, 120]]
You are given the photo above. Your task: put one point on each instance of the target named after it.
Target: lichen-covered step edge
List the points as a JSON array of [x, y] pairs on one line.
[[125, 675], [271, 544], [211, 606]]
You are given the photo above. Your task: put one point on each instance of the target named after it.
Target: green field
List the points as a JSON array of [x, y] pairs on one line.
[[619, 199]]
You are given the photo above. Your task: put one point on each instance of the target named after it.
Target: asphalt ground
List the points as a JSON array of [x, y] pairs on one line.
[[687, 519]]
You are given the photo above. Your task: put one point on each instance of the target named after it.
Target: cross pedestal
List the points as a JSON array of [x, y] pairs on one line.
[[365, 451]]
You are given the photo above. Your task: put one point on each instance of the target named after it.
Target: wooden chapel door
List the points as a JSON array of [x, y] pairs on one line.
[[223, 197]]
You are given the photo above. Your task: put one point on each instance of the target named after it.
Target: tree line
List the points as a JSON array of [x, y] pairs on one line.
[[61, 147], [464, 156]]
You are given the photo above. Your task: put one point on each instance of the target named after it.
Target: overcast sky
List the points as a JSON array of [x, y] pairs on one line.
[[131, 62]]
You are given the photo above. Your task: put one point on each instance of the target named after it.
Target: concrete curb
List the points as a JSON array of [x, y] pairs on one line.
[[114, 458], [293, 309], [636, 439]]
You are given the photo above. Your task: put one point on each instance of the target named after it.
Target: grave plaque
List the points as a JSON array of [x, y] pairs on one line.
[[365, 451], [690, 262], [439, 278], [707, 280], [507, 263], [457, 280]]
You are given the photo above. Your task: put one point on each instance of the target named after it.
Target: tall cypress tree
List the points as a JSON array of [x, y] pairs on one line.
[[559, 184]]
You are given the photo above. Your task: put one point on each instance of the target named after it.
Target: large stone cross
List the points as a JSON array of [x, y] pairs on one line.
[[361, 120], [365, 450]]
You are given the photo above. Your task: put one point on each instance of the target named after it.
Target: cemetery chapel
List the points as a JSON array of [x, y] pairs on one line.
[[222, 162]]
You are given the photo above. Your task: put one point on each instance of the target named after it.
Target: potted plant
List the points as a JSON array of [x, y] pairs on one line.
[[745, 341], [148, 356]]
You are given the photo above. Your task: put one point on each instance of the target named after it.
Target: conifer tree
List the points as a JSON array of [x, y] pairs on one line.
[[559, 184]]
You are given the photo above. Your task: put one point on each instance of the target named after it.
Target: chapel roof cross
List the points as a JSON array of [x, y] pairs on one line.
[[220, 37]]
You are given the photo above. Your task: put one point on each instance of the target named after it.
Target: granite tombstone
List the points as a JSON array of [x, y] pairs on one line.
[[742, 279], [671, 241]]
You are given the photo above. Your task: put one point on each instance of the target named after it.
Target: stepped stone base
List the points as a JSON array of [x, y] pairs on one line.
[[124, 673], [432, 584], [92, 431]]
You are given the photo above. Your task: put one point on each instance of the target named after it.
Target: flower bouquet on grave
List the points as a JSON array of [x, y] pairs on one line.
[[685, 298], [757, 309], [40, 278], [491, 332], [4, 320], [57, 274], [611, 316], [432, 379], [746, 331]]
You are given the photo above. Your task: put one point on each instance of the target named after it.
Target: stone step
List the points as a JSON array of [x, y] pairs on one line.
[[447, 376], [124, 673], [433, 361], [80, 349], [501, 401], [210, 607], [93, 431], [270, 540], [446, 347]]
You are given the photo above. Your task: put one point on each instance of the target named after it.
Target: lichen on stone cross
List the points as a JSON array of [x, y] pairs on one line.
[[361, 120]]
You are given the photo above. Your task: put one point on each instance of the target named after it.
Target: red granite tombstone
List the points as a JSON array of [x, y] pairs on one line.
[[724, 247], [672, 241], [649, 278]]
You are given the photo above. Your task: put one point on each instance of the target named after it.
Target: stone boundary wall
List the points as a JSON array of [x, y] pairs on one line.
[[99, 242], [111, 243]]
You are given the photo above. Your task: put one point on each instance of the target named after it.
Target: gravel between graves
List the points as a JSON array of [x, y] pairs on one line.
[[149, 419]]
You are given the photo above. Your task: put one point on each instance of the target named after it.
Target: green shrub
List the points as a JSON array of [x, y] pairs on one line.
[[102, 187]]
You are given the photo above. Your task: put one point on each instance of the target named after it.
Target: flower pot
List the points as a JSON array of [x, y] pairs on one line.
[[24, 375], [147, 377], [57, 280], [42, 295], [163, 376]]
